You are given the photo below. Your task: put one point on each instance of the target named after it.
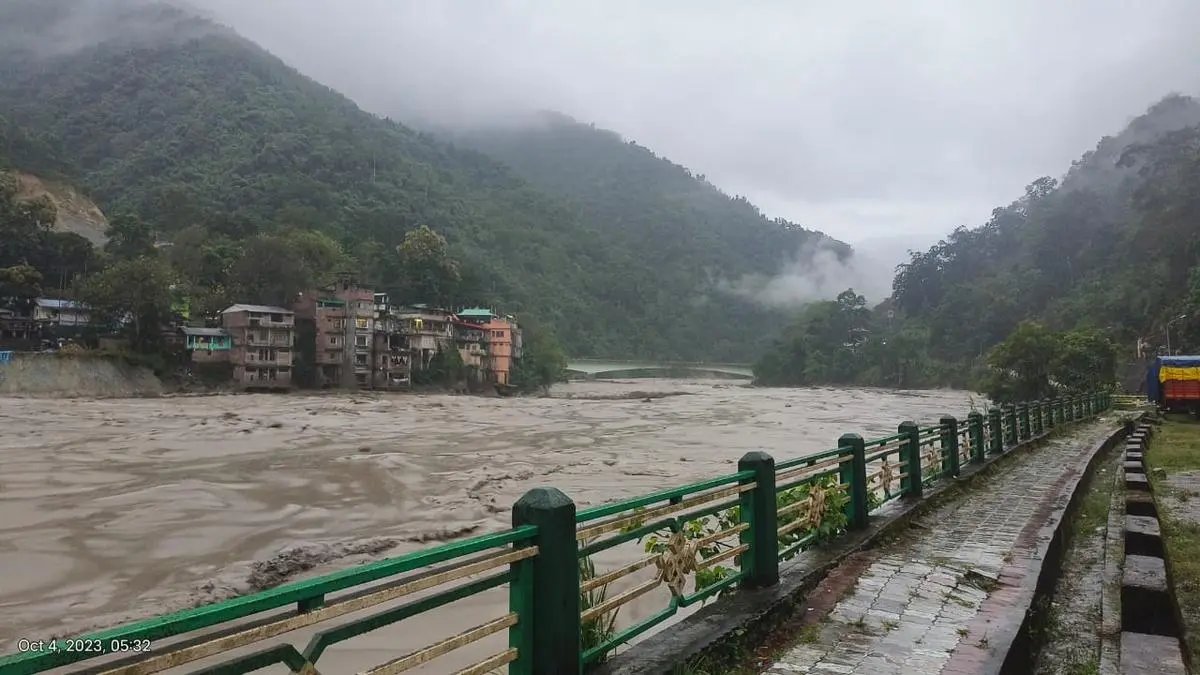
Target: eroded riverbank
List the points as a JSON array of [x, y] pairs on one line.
[[121, 508]]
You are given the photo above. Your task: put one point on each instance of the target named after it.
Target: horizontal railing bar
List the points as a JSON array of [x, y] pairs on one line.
[[208, 615], [666, 509], [711, 590], [811, 458], [619, 599], [443, 647], [490, 663], [810, 468], [609, 577], [798, 545], [721, 557], [806, 480], [628, 504], [629, 633], [285, 624], [331, 636]]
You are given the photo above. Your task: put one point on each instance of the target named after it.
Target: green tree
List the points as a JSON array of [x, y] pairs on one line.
[[1086, 361], [129, 237], [542, 361], [428, 273], [135, 292], [1022, 365]]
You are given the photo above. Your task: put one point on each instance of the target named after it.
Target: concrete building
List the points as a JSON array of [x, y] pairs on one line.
[[263, 338], [426, 331], [499, 336], [392, 358]]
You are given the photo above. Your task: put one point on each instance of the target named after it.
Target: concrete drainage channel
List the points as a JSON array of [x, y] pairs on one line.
[[1150, 633]]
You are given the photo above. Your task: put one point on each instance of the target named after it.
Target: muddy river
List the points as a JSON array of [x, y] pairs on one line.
[[122, 508]]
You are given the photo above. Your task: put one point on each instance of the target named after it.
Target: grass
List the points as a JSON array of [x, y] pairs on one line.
[[1173, 450]]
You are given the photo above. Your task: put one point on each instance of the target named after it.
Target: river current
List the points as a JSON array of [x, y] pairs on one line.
[[116, 509]]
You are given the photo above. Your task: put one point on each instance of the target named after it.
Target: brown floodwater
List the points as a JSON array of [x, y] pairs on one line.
[[116, 509]]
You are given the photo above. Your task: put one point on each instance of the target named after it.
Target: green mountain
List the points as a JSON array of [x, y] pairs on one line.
[[1113, 248], [210, 141]]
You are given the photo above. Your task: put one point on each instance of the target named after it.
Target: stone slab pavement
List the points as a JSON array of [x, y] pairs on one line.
[[926, 602]]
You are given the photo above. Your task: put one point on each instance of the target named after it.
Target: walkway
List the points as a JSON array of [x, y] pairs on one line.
[[927, 602]]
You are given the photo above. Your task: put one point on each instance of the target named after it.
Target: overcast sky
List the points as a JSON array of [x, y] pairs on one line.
[[862, 119]]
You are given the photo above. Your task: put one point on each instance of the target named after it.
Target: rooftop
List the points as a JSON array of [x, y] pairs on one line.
[[205, 332], [263, 309], [56, 303], [476, 313]]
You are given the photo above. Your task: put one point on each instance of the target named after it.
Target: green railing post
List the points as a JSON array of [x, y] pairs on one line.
[[914, 487], [854, 474], [975, 429], [1010, 418], [949, 425], [757, 509], [554, 619], [995, 431], [1045, 415], [1023, 430]]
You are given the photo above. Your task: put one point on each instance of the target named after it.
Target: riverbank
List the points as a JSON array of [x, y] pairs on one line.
[[60, 376]]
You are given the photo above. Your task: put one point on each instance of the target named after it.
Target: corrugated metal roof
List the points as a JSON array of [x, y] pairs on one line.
[[265, 309], [56, 303], [207, 332]]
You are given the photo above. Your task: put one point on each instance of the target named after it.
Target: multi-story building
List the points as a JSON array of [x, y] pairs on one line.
[[262, 340], [426, 331], [58, 312], [337, 324], [392, 359], [500, 334], [468, 337]]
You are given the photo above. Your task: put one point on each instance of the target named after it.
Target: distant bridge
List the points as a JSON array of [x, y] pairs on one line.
[[611, 368]]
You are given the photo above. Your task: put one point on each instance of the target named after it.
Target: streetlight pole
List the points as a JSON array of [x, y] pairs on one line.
[[1181, 317]]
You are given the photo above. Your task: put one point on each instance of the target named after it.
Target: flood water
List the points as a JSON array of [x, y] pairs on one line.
[[118, 509]]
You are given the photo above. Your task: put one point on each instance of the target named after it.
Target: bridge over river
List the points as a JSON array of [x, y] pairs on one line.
[[614, 368]]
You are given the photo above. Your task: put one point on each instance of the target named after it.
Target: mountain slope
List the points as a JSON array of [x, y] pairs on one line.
[[186, 124], [1111, 247]]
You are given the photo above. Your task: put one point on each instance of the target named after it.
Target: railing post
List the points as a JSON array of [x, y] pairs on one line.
[[915, 487], [975, 428], [854, 474], [949, 425], [1047, 414], [1023, 430], [757, 509], [1010, 417], [554, 620], [995, 431]]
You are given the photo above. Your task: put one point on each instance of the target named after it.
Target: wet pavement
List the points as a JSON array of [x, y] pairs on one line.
[[928, 601]]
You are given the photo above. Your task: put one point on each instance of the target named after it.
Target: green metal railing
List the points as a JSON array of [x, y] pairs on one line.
[[717, 535]]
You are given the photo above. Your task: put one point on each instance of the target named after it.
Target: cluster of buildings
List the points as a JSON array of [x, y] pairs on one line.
[[344, 336], [348, 336]]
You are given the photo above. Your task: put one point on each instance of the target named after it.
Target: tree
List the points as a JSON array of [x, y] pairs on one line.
[[1022, 364], [428, 273], [129, 237], [542, 361], [1086, 362], [136, 293]]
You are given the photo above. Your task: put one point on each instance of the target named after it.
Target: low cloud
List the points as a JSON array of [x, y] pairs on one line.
[[815, 273]]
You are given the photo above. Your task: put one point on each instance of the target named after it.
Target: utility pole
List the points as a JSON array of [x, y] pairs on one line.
[[1181, 317]]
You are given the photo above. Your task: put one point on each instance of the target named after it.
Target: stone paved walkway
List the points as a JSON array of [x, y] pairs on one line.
[[925, 603]]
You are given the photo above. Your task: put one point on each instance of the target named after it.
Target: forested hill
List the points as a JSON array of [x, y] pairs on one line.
[[1111, 246], [222, 148], [656, 208], [1109, 252]]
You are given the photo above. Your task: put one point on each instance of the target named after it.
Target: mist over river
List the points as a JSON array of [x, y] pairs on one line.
[[114, 509]]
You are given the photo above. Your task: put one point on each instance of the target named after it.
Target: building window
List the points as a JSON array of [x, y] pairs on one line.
[[360, 359], [333, 339], [360, 323], [360, 340]]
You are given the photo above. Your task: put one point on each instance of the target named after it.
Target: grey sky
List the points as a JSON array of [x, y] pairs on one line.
[[861, 119]]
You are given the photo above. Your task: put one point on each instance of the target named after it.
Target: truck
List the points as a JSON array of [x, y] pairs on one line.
[[1173, 383]]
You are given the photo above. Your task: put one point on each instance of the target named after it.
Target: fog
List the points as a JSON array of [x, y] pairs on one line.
[[862, 120]]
